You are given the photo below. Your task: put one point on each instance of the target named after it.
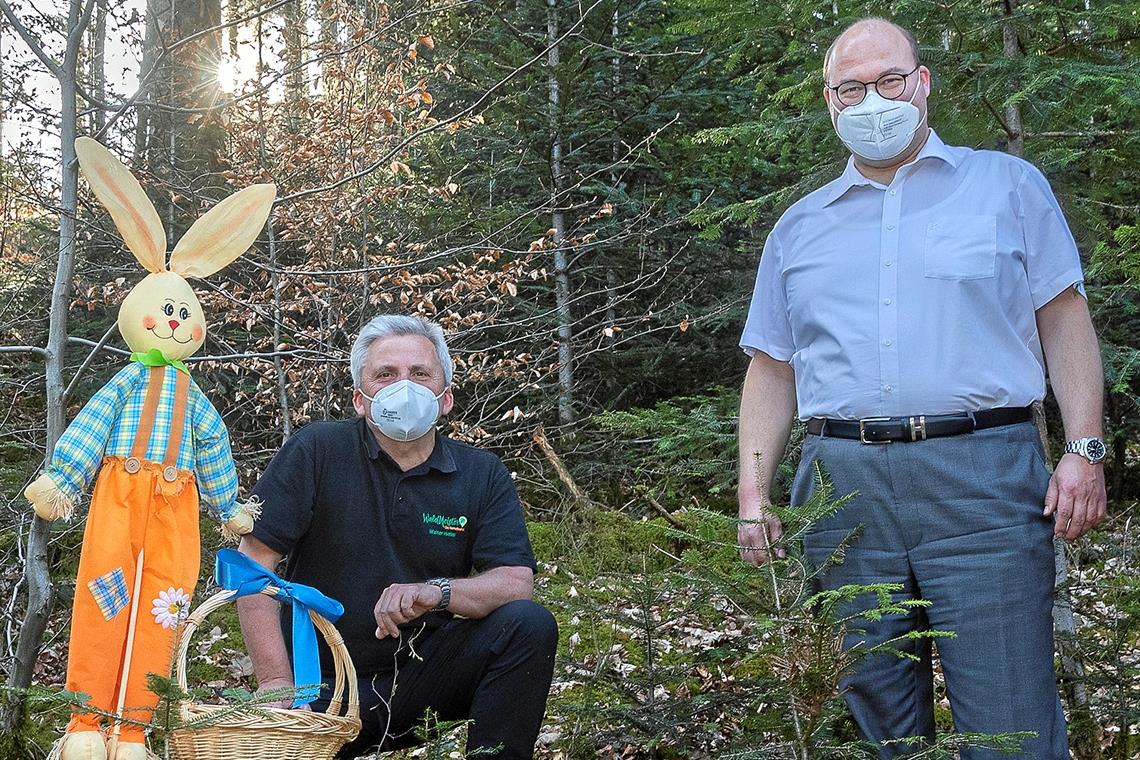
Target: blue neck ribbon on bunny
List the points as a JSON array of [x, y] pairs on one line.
[[155, 358], [237, 572]]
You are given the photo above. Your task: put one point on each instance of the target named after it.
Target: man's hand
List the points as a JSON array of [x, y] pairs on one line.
[[402, 603], [1076, 496], [277, 684], [758, 532]]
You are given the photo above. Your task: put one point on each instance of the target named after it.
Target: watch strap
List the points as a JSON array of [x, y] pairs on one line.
[[444, 586], [1085, 447]]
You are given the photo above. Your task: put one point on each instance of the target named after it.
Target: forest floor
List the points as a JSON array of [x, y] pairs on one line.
[[671, 648]]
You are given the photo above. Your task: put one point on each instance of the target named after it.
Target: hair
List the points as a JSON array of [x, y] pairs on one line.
[[871, 20], [388, 325]]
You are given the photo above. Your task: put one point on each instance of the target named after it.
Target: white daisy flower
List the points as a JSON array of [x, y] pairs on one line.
[[171, 607]]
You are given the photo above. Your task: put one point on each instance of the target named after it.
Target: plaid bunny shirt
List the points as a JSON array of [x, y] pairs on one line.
[[107, 424]]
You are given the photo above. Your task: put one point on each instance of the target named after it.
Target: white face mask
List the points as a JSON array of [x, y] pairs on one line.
[[404, 411], [878, 129]]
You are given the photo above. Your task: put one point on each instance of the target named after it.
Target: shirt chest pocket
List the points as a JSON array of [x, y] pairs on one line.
[[965, 249]]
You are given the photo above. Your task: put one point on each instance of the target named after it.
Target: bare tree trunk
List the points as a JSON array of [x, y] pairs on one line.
[[143, 114], [328, 331], [185, 148], [558, 224], [99, 68], [328, 39], [37, 575], [296, 39], [3, 103], [1083, 727], [274, 277], [1013, 110], [278, 367], [615, 154]]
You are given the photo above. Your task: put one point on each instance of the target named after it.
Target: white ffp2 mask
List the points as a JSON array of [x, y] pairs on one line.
[[404, 411], [878, 129]]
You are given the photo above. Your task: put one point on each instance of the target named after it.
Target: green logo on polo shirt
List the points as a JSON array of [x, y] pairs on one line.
[[442, 525]]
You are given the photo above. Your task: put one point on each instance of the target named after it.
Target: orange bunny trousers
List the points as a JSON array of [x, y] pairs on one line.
[[131, 513]]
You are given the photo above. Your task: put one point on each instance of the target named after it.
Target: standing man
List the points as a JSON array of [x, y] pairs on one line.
[[390, 518], [909, 308]]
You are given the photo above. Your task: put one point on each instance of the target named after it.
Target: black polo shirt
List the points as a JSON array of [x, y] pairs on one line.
[[351, 523]]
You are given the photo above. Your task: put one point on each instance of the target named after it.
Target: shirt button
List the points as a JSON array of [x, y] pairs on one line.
[[887, 388], [890, 226], [887, 342], [887, 301], [887, 263], [894, 192]]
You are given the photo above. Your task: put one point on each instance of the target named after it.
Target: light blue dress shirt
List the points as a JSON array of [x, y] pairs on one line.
[[917, 297]]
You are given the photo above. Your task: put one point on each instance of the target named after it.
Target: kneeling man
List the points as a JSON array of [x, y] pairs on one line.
[[422, 539]]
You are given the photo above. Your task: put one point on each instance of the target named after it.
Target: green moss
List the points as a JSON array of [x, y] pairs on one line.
[[596, 542]]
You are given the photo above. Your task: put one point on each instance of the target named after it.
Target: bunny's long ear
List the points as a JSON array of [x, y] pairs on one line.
[[225, 232], [123, 196]]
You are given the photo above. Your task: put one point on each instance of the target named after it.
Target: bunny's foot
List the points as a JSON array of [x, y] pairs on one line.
[[130, 751], [83, 745]]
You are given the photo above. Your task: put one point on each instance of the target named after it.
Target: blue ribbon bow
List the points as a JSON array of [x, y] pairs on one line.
[[237, 572]]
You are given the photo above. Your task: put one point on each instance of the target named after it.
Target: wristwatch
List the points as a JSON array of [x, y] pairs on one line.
[[444, 586], [1092, 449]]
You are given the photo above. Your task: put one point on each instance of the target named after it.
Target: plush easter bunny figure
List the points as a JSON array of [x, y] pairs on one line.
[[157, 447]]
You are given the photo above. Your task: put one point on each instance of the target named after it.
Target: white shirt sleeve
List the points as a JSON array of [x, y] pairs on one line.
[[1051, 258], [767, 328]]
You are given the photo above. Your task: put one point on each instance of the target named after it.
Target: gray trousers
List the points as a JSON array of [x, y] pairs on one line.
[[957, 521]]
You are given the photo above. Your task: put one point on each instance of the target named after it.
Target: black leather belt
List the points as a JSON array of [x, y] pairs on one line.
[[917, 427]]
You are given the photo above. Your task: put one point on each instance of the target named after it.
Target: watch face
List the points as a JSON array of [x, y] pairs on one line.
[[1095, 449]]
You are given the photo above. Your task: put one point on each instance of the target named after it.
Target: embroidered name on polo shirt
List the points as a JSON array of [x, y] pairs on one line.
[[444, 525]]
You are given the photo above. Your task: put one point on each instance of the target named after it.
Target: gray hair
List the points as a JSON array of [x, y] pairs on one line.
[[388, 325], [870, 21]]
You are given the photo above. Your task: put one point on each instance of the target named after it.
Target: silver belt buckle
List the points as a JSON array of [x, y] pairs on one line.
[[863, 429], [918, 429]]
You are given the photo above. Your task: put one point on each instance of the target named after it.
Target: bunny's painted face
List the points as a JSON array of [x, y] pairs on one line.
[[162, 312]]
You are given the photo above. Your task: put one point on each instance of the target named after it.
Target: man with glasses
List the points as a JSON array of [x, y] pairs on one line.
[[909, 309]]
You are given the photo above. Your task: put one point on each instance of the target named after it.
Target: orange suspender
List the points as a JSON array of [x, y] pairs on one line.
[[155, 379], [177, 420]]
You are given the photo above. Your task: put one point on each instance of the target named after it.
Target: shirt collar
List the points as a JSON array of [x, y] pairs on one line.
[[439, 459], [852, 177], [155, 358]]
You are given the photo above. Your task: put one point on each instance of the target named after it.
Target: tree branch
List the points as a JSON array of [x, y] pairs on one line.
[[384, 159], [75, 36], [1001, 121], [30, 40], [298, 353], [23, 349], [87, 363]]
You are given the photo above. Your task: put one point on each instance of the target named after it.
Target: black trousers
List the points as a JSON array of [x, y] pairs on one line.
[[496, 672]]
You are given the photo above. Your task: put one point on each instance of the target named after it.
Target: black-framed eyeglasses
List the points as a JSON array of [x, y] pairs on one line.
[[891, 86]]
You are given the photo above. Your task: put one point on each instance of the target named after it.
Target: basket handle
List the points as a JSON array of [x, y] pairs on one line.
[[345, 672]]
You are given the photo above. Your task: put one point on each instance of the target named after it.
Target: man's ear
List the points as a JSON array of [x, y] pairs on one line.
[[359, 403], [446, 402]]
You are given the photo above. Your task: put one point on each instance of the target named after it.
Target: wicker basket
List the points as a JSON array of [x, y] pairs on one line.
[[268, 733]]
